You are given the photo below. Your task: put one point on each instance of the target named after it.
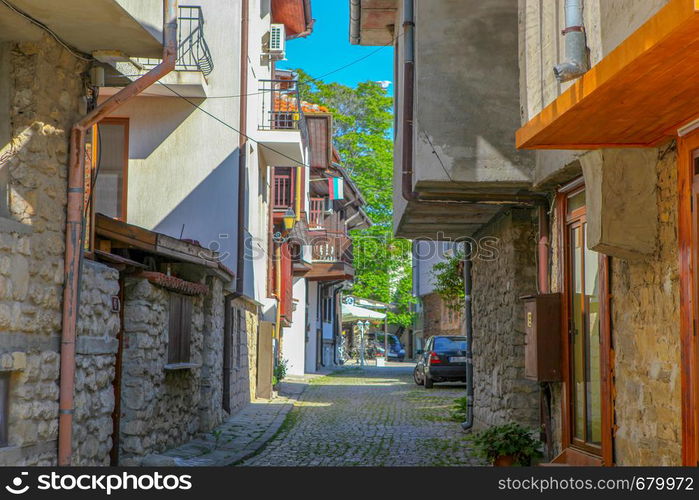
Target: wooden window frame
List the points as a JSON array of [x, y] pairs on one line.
[[179, 329], [572, 451], [93, 160], [688, 243]]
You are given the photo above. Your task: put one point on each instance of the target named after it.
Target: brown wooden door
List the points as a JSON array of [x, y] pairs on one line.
[[688, 236], [265, 360], [587, 406]]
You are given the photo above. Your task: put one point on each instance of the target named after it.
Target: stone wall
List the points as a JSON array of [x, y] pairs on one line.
[[502, 394], [244, 354], [646, 338], [160, 408], [96, 348], [211, 403], [42, 85]]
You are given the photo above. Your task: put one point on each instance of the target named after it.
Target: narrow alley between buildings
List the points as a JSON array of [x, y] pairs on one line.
[[371, 416]]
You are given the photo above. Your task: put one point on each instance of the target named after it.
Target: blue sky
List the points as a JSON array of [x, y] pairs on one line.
[[328, 48]]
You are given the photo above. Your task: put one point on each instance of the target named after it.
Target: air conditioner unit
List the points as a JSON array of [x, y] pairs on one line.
[[277, 41]]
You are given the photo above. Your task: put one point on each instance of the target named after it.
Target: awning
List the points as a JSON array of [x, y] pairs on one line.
[[637, 96], [355, 313]]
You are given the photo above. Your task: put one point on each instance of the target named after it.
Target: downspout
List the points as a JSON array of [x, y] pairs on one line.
[[243, 154], [543, 251], [576, 51], [74, 223], [308, 16], [355, 13], [468, 327], [408, 132]]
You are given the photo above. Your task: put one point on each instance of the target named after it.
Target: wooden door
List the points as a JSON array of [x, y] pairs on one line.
[[265, 359], [688, 236]]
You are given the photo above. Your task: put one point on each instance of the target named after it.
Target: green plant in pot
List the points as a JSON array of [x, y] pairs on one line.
[[506, 445], [279, 372]]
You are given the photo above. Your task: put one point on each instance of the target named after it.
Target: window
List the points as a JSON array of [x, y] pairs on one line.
[[4, 406], [586, 339], [180, 329], [111, 157]]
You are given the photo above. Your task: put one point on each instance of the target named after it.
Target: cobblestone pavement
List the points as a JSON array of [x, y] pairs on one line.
[[374, 416], [238, 437]]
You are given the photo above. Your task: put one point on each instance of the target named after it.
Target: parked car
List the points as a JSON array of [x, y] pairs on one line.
[[395, 348], [443, 360]]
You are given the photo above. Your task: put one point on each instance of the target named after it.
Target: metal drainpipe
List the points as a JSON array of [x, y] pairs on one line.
[[355, 11], [468, 326], [576, 50], [74, 224], [242, 153]]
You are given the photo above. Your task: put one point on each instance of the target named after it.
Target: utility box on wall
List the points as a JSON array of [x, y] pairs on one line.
[[542, 325]]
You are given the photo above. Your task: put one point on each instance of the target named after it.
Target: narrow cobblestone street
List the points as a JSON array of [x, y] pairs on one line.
[[374, 416]]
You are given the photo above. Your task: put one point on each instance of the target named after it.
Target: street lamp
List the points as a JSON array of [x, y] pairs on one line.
[[289, 219], [363, 326]]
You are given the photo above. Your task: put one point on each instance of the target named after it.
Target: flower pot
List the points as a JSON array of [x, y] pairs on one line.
[[504, 461]]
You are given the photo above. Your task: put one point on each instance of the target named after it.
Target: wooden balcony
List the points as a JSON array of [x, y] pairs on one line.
[[331, 257]]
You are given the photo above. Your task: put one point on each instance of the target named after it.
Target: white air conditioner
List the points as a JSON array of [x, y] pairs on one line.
[[277, 41]]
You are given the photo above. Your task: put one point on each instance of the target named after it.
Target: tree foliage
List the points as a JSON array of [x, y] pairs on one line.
[[363, 119], [449, 281]]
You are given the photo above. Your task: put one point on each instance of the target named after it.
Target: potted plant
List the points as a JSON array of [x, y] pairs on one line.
[[507, 445], [279, 373]]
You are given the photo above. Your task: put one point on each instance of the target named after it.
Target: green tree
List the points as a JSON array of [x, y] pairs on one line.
[[363, 119]]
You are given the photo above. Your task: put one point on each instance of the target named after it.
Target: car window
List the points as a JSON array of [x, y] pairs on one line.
[[449, 344]]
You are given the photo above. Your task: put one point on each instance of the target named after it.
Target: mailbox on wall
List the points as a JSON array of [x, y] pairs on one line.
[[542, 325]]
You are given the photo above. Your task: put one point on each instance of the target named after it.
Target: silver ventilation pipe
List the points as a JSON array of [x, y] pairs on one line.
[[575, 64]]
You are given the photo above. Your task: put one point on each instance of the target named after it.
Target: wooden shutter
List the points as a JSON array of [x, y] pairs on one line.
[[180, 328]]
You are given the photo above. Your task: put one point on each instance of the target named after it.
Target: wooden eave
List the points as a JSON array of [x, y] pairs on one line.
[[139, 238], [330, 271], [637, 96]]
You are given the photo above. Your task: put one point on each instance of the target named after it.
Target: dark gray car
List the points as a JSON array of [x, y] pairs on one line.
[[443, 360]]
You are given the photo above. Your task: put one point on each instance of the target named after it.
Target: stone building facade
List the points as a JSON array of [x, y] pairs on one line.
[[501, 393], [40, 92], [633, 202]]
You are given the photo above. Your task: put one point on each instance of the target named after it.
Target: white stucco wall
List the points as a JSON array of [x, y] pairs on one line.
[[294, 339], [183, 164], [313, 313]]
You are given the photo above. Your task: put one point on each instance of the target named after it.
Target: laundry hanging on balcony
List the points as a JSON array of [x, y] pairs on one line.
[[336, 188]]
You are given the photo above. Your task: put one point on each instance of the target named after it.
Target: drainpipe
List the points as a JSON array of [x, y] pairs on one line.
[[468, 327], [408, 132], [355, 11], [576, 51], [74, 223], [243, 154], [543, 250]]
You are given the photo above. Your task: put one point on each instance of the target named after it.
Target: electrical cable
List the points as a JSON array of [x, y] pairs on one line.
[[41, 25]]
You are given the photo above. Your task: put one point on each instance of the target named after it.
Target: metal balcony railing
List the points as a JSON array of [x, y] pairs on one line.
[[281, 105], [192, 51]]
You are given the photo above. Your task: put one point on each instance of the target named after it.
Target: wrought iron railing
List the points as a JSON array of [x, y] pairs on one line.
[[280, 105], [192, 50]]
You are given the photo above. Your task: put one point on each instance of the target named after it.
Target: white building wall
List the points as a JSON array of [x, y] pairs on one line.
[[183, 164], [313, 316], [294, 337]]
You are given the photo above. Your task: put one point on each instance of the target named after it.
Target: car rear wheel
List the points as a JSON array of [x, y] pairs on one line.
[[429, 383], [417, 377]]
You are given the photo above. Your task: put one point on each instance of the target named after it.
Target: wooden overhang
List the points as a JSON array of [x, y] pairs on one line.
[[125, 235], [637, 96]]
